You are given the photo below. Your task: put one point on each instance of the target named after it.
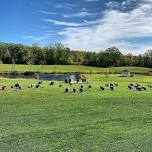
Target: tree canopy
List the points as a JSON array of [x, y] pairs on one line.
[[58, 54]]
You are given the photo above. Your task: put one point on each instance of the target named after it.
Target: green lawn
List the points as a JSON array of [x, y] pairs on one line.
[[48, 120], [68, 68]]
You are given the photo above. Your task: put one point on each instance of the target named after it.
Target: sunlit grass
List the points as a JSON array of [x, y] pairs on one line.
[[69, 68], [47, 119]]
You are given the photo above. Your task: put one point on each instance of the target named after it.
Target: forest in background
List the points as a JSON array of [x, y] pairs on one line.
[[58, 54]]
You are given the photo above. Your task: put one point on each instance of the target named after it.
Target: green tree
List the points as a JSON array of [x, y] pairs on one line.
[[148, 58]]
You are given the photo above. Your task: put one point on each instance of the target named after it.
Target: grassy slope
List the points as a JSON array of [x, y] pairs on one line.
[[48, 120], [68, 68]]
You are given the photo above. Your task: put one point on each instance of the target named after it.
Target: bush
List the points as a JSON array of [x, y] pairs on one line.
[[29, 73], [14, 73]]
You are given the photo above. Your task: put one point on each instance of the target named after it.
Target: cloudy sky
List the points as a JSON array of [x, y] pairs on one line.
[[91, 25]]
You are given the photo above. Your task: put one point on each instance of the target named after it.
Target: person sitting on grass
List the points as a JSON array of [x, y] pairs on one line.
[[149, 85], [74, 90], [90, 86], [3, 88], [16, 87], [61, 85], [70, 81], [51, 83], [111, 87], [37, 86], [116, 85], [40, 82], [66, 81], [31, 86], [81, 90], [102, 88], [66, 90], [81, 86]]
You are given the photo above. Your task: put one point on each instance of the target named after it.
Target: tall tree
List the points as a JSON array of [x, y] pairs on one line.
[[148, 58]]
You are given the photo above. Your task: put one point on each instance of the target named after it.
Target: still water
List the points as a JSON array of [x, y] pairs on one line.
[[41, 76]]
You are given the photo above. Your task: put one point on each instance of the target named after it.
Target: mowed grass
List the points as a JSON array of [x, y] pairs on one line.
[[48, 120], [69, 68]]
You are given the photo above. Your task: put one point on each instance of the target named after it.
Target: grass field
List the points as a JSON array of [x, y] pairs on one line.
[[48, 120], [69, 68]]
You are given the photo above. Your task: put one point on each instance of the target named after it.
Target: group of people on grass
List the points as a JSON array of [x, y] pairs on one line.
[[78, 89], [15, 87]]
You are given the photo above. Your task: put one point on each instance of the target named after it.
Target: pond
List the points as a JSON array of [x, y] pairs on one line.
[[41, 76]]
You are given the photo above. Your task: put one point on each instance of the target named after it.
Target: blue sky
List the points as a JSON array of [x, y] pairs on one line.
[[91, 25]]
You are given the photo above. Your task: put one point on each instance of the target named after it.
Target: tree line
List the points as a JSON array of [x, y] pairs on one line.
[[59, 55]]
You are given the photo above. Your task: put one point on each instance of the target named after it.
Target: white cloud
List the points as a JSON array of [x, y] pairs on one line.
[[47, 12], [46, 36], [115, 28], [81, 14], [66, 6], [29, 37], [70, 24], [123, 4], [113, 4], [63, 23]]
